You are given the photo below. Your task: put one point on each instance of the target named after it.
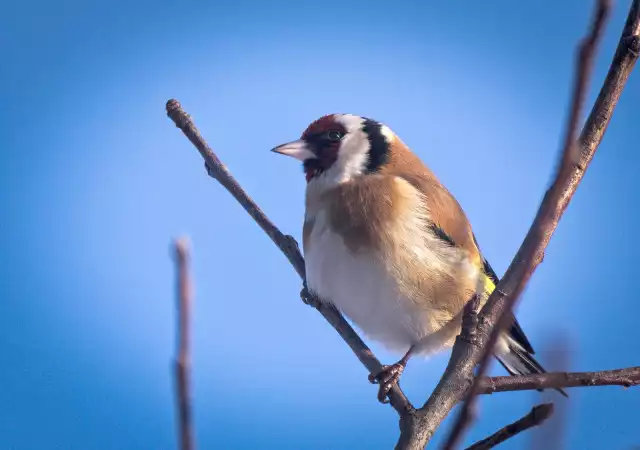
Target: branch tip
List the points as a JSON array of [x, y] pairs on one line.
[[173, 105], [182, 247]]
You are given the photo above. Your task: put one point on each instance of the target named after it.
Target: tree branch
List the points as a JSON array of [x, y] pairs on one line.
[[287, 245], [620, 377], [183, 358], [535, 417], [454, 384], [555, 202]]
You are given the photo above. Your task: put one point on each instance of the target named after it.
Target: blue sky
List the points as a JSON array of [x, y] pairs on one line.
[[96, 181]]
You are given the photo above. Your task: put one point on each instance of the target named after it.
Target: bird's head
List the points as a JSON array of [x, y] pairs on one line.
[[338, 147]]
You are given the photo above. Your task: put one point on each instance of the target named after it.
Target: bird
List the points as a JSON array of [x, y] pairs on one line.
[[389, 246]]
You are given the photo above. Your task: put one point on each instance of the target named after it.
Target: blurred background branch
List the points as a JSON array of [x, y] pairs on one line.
[[535, 417], [183, 358]]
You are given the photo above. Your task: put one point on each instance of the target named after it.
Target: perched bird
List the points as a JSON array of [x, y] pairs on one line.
[[389, 246]]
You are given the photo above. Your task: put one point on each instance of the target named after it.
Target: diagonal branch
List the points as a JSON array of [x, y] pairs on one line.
[[620, 377], [536, 416], [287, 245], [183, 358], [555, 202], [418, 428]]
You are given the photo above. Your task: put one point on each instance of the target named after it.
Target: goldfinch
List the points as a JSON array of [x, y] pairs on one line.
[[389, 246]]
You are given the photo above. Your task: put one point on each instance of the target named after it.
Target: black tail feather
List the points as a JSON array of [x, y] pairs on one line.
[[520, 362]]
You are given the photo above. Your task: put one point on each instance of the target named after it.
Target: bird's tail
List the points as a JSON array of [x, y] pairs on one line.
[[513, 349], [518, 361]]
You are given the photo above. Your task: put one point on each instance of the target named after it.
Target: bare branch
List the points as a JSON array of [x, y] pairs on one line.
[[183, 358], [620, 377], [287, 245], [556, 200], [535, 417], [454, 384]]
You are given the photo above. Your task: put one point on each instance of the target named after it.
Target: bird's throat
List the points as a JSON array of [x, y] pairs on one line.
[[310, 172]]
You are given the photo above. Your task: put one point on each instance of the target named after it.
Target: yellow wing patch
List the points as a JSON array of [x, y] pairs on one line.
[[489, 285]]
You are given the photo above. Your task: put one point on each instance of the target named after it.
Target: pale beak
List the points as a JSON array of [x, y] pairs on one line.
[[296, 149]]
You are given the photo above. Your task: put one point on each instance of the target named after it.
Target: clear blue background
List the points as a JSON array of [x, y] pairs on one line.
[[95, 181]]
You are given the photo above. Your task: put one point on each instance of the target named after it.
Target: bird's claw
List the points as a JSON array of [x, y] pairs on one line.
[[387, 378], [307, 297]]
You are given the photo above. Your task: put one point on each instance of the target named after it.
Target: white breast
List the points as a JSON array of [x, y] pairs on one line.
[[362, 287]]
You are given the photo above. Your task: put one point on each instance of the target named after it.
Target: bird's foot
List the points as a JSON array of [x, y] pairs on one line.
[[387, 378], [307, 297]]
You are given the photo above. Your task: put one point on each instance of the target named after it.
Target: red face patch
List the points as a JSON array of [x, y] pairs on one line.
[[321, 136], [322, 125]]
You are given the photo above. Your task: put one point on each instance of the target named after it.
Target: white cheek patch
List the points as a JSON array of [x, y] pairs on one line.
[[354, 150], [353, 156]]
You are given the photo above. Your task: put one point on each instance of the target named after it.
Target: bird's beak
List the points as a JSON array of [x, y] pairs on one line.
[[296, 149]]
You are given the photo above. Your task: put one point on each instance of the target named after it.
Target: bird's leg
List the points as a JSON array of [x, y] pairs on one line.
[[389, 376]]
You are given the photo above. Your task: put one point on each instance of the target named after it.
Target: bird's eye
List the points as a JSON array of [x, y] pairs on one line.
[[334, 135]]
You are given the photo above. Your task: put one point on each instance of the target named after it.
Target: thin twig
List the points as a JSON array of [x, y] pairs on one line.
[[620, 377], [536, 416], [286, 244], [183, 358], [532, 250], [454, 384]]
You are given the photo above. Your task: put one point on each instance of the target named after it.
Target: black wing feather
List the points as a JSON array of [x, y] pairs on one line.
[[516, 331]]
